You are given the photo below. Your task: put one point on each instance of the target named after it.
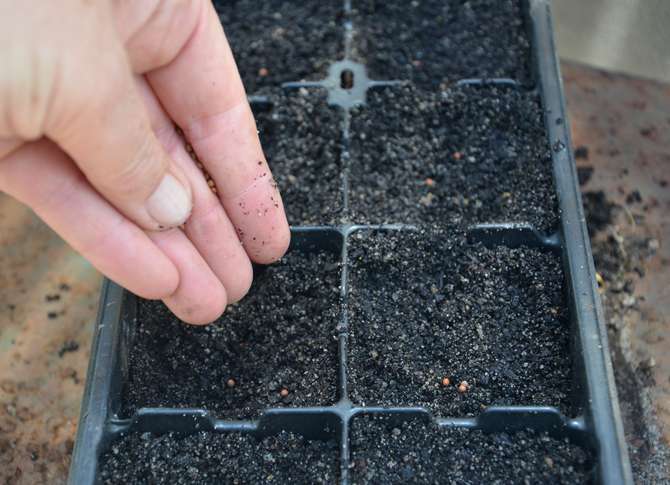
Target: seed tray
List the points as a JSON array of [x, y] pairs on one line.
[[582, 416]]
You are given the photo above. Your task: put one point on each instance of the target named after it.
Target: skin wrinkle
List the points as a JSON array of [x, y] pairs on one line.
[[93, 193]]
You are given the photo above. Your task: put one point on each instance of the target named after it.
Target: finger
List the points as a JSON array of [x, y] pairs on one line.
[[208, 228], [218, 122], [98, 118], [200, 297], [63, 198]]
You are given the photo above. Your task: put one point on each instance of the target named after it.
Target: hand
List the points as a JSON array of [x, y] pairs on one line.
[[90, 93]]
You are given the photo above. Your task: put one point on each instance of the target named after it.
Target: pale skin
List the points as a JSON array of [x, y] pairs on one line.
[[90, 93]]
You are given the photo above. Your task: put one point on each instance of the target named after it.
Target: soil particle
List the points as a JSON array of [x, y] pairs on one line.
[[433, 42], [276, 41], [386, 452], [484, 148], [584, 174], [68, 346], [209, 458], [423, 306], [582, 153], [301, 138], [281, 335], [599, 210]]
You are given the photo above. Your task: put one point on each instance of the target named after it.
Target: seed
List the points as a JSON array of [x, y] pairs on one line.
[[429, 182], [231, 382], [463, 387], [262, 72], [457, 155], [283, 392], [446, 381]]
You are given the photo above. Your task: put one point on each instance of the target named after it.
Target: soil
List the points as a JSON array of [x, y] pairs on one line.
[[433, 42], [301, 137], [277, 41], [428, 306], [206, 458], [274, 348], [414, 452], [472, 154]]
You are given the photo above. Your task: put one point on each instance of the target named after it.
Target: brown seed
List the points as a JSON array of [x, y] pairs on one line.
[[446, 381], [429, 182], [457, 155], [463, 387], [283, 392], [262, 72], [231, 382]]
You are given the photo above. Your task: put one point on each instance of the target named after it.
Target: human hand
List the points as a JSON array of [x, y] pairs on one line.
[[90, 92]]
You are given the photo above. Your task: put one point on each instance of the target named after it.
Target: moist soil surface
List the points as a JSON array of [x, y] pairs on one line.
[[274, 348], [435, 42], [471, 154], [384, 452], [276, 41], [424, 307], [209, 458], [301, 137]]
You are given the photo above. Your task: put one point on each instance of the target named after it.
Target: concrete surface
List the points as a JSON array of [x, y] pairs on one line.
[[48, 300], [621, 126]]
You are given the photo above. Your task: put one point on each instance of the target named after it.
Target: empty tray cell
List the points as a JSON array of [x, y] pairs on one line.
[[301, 137], [435, 42], [384, 451], [276, 41], [276, 347], [472, 154], [209, 458], [455, 327]]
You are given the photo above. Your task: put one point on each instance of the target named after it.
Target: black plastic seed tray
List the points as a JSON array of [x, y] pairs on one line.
[[450, 336]]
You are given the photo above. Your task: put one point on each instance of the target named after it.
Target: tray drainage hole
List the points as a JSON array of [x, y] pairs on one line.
[[347, 79]]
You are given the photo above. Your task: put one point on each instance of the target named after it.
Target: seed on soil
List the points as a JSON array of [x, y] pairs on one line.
[[262, 72], [446, 381], [284, 327], [507, 151], [477, 313], [283, 392], [430, 182], [463, 387]]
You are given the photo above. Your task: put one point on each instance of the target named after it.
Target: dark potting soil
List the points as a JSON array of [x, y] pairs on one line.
[[472, 154], [425, 307], [208, 458], [276, 41], [421, 453], [301, 137], [279, 337], [435, 42]]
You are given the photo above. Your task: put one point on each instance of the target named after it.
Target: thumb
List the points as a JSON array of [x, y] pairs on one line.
[[99, 119]]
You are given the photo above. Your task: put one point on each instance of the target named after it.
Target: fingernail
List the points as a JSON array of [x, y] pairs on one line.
[[170, 204]]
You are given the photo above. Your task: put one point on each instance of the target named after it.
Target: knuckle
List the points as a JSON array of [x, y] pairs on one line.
[[29, 89], [167, 28]]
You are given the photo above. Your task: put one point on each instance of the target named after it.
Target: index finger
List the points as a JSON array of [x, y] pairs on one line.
[[202, 92]]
